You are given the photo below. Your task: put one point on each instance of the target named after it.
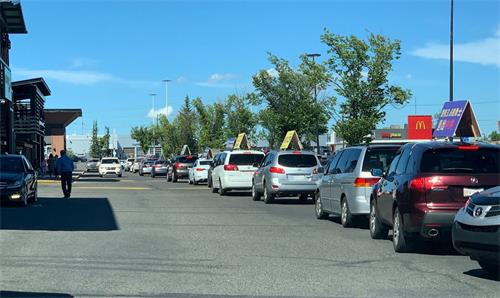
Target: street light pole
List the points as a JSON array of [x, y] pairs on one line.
[[154, 118], [316, 101], [166, 96], [451, 52]]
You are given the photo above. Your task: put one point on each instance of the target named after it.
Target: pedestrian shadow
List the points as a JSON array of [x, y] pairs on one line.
[[12, 294], [483, 274], [57, 214]]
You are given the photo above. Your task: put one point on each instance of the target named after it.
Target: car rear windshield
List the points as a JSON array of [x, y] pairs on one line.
[[455, 160], [204, 162], [110, 161], [297, 160], [11, 165], [187, 159], [245, 159], [378, 158]]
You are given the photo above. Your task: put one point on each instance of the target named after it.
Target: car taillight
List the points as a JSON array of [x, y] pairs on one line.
[[365, 182], [230, 167], [276, 170], [426, 183], [468, 148], [177, 165], [200, 169], [296, 152], [315, 171]]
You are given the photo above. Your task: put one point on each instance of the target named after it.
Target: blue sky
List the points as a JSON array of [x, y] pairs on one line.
[[106, 57]]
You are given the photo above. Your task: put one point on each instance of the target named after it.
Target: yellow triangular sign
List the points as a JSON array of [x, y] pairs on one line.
[[241, 142], [185, 150], [291, 141]]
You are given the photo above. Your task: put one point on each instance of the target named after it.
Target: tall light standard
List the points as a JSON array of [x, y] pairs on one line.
[[451, 52], [154, 119], [166, 96], [314, 55]]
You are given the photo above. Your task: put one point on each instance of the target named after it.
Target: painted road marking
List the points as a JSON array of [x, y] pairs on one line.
[[49, 181], [182, 188], [112, 187]]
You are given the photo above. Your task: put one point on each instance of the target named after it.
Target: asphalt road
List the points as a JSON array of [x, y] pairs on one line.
[[143, 237]]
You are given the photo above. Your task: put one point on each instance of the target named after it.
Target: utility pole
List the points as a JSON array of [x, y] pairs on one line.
[[166, 96], [451, 52], [154, 118], [316, 101]]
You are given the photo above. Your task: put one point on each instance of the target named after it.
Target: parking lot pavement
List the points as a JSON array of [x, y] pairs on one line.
[[138, 236]]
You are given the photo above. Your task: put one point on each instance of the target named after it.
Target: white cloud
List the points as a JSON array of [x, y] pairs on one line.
[[83, 62], [77, 77], [485, 51], [273, 72], [181, 80], [409, 76], [162, 111], [215, 80]]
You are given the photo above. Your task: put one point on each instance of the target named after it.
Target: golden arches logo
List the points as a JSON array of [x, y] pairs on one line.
[[420, 125]]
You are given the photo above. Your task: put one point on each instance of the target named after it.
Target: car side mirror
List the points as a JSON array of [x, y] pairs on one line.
[[256, 165], [377, 172]]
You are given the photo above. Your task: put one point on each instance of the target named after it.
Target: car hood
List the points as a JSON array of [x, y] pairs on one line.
[[489, 196], [10, 177]]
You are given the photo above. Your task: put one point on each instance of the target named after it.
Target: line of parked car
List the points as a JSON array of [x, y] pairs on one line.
[[423, 192]]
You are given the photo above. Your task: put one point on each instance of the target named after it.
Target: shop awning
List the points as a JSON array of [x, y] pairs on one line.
[[62, 117], [12, 17]]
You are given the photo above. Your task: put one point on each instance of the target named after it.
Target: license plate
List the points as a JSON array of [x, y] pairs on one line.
[[470, 191], [297, 177]]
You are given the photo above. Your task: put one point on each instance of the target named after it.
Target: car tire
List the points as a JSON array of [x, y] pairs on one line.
[[141, 173], [255, 193], [119, 175], [209, 182], [190, 181], [346, 218], [490, 268], [320, 213], [214, 189], [169, 177], [400, 242], [378, 230], [268, 197], [222, 191], [195, 182], [174, 178], [25, 198]]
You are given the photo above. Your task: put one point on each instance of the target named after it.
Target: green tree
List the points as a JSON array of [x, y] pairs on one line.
[[211, 124], [359, 74], [289, 99], [143, 135], [239, 116], [104, 143], [185, 126], [95, 149], [494, 136], [168, 137]]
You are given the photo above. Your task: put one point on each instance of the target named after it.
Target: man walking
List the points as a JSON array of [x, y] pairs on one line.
[[65, 167]]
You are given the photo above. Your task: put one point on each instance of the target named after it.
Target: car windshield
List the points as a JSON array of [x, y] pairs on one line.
[[378, 158], [11, 165], [205, 162], [455, 160], [297, 160], [109, 161], [245, 159]]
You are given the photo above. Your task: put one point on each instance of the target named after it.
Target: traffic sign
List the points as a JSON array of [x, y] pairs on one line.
[[419, 127]]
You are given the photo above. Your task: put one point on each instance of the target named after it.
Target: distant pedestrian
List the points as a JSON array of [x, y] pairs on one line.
[[51, 165], [65, 167]]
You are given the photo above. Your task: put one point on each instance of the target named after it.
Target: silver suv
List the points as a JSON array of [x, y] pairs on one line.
[[286, 173], [347, 181]]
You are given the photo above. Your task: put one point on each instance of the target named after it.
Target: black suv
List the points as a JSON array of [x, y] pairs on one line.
[[425, 186]]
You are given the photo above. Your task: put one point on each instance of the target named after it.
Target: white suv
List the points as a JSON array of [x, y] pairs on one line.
[[234, 170], [110, 165]]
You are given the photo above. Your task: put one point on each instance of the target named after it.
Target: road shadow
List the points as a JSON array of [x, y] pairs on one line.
[[483, 274], [11, 294], [235, 193], [292, 201], [100, 180], [57, 214]]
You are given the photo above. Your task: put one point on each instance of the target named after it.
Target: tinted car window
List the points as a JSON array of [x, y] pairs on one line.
[[110, 161], [245, 159], [348, 164], [297, 160], [378, 158], [187, 159], [394, 163], [11, 165], [453, 160], [205, 162], [333, 164], [400, 169]]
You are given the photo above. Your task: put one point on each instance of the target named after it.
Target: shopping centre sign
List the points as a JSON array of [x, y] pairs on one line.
[[456, 119]]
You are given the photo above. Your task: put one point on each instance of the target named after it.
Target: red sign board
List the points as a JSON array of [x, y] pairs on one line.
[[419, 127]]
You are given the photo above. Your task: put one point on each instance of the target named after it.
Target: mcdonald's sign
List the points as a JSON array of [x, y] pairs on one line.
[[420, 127]]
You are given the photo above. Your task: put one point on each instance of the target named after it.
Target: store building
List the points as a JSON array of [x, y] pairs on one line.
[[11, 22], [56, 121]]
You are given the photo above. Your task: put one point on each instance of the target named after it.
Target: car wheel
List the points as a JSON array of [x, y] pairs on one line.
[[214, 189], [25, 198], [169, 177], [209, 182], [378, 230], [174, 178], [346, 218], [303, 197], [399, 241], [222, 191], [119, 175], [268, 197], [255, 193], [190, 181], [320, 213], [490, 268], [141, 173], [195, 182]]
